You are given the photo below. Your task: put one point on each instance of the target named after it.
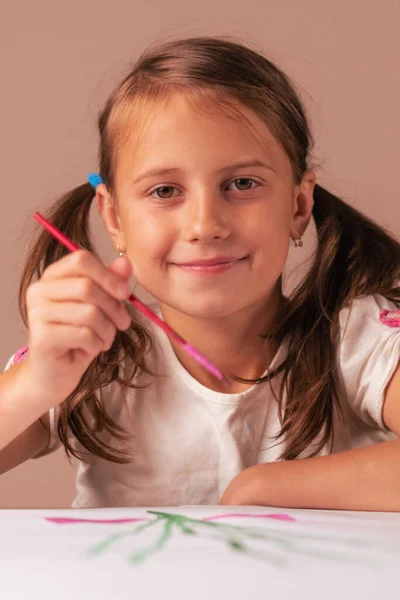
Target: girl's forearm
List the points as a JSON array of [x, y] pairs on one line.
[[361, 479], [20, 405]]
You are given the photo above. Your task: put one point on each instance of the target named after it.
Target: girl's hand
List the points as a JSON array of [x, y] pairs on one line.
[[73, 312]]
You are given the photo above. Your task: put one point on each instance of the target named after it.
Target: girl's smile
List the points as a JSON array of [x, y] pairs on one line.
[[211, 266]]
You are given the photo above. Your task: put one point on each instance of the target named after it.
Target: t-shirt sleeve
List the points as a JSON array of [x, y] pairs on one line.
[[54, 441], [368, 354]]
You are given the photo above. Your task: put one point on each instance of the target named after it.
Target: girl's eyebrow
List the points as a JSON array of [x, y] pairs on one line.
[[159, 172]]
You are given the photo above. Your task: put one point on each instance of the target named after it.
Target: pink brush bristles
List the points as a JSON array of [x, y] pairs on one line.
[[70, 245], [201, 359]]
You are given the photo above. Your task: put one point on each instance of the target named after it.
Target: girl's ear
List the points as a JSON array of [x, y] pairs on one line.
[[108, 211], [303, 202]]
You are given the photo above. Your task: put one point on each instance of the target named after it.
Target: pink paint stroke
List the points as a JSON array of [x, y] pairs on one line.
[[77, 521], [73, 521], [278, 516]]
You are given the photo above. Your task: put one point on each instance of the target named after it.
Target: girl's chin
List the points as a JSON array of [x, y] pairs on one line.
[[203, 310]]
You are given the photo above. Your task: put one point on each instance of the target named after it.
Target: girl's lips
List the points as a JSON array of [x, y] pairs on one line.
[[209, 268]]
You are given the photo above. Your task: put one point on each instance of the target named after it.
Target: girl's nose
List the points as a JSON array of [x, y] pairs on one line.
[[206, 219]]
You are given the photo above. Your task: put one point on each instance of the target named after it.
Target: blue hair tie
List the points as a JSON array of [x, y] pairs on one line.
[[95, 179]]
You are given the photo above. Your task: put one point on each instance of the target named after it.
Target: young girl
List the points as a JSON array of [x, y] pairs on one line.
[[205, 180]]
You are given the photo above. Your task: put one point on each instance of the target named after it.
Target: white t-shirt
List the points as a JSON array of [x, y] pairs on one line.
[[189, 441]]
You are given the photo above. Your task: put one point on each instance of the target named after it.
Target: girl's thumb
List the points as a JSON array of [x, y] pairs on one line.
[[121, 266]]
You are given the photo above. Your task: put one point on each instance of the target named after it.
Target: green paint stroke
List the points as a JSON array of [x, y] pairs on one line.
[[105, 544], [139, 556], [237, 538]]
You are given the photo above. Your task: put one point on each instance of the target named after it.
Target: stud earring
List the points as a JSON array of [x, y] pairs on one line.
[[121, 252], [298, 243]]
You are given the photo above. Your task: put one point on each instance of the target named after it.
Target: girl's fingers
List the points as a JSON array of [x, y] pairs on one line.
[[82, 315], [83, 263], [58, 339], [78, 290], [122, 266]]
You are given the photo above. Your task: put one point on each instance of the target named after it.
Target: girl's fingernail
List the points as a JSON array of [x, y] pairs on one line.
[[123, 290]]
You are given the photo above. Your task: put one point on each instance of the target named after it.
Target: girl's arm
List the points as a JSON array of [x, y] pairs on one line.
[[362, 479], [22, 435], [28, 444]]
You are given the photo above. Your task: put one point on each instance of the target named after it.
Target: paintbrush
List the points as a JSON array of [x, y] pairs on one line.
[[191, 350]]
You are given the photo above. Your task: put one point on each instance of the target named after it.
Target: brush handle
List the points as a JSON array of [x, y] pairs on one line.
[[155, 318]]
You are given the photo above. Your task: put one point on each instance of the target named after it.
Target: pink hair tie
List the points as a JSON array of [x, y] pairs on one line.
[[20, 355], [390, 317]]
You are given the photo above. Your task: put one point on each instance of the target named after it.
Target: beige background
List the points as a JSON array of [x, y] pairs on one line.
[[60, 60]]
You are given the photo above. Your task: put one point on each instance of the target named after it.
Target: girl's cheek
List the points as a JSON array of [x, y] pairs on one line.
[[146, 260]]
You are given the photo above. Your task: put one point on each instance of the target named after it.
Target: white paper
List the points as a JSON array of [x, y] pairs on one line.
[[198, 553]]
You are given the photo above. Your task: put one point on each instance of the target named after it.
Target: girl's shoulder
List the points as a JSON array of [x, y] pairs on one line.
[[368, 353], [376, 312]]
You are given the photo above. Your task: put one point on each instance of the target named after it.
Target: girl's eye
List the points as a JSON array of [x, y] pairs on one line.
[[165, 192], [242, 184]]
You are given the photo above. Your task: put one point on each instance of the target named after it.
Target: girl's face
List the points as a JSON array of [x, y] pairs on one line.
[[204, 207]]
